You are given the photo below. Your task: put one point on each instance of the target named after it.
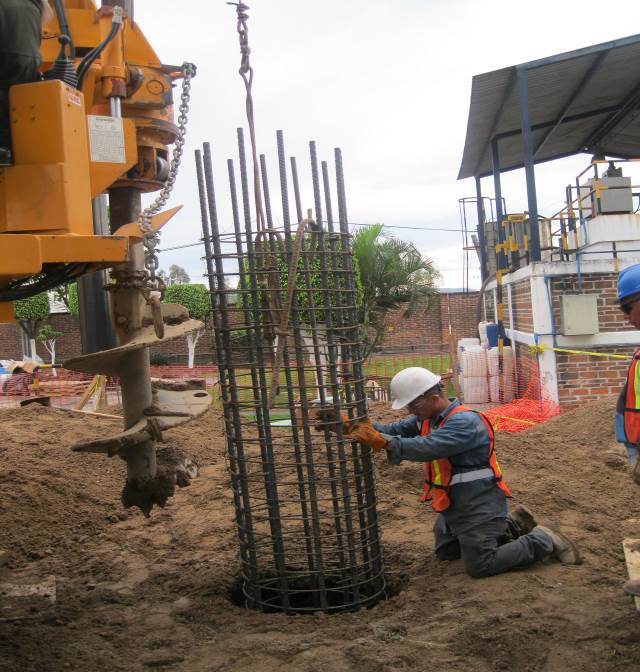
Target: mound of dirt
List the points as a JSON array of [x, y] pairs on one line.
[[138, 594]]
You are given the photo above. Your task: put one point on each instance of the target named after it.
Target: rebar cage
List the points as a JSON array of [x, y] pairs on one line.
[[287, 341]]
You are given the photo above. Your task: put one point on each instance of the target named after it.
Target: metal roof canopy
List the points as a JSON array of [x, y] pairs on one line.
[[579, 101]]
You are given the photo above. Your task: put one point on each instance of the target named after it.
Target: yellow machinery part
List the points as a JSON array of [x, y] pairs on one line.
[[49, 187], [149, 83], [23, 254], [7, 316]]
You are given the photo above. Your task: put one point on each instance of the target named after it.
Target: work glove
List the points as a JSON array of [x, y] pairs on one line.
[[365, 432], [327, 418]]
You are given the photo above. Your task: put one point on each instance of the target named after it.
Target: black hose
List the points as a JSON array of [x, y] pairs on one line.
[[52, 276], [88, 60], [61, 14]]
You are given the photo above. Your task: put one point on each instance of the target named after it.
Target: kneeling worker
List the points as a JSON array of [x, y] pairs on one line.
[[463, 480]]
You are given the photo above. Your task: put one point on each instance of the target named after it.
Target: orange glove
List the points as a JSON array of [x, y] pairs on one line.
[[328, 419], [366, 433]]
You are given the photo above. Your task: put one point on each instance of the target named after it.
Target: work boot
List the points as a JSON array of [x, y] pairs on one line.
[[632, 587], [6, 159], [563, 548], [524, 518]]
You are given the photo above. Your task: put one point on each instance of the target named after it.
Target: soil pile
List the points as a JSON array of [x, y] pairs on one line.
[[139, 594]]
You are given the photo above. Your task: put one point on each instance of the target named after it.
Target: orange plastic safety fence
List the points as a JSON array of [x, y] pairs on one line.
[[522, 402], [66, 388]]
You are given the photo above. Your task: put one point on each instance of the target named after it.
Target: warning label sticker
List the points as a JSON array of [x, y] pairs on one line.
[[106, 139]]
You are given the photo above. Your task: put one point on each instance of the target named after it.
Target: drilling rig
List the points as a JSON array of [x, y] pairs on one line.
[[101, 122]]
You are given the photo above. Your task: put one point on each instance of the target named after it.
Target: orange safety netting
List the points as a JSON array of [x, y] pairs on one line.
[[521, 414], [530, 406], [67, 388]]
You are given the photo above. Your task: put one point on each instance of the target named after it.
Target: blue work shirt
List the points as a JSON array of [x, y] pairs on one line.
[[464, 440]]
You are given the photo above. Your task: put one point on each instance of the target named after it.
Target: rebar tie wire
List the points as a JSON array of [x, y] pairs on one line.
[[280, 317]]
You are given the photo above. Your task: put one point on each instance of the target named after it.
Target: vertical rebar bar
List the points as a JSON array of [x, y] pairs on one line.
[[229, 390]]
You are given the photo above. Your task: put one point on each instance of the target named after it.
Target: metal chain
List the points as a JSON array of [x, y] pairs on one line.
[[246, 72], [150, 237]]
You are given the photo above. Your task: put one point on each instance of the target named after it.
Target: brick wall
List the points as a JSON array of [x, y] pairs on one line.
[[528, 372], [428, 325], [177, 351], [427, 328], [68, 345], [584, 378], [603, 285], [521, 306], [10, 344]]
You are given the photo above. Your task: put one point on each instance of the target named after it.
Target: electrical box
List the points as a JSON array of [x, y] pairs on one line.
[[578, 314], [615, 197]]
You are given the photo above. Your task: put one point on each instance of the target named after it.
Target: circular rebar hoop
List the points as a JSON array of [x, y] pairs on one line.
[[304, 496]]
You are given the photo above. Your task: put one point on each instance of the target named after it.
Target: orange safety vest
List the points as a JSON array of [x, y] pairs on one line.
[[437, 473], [631, 411]]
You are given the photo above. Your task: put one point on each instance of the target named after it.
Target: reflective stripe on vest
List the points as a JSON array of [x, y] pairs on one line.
[[631, 412], [437, 473]]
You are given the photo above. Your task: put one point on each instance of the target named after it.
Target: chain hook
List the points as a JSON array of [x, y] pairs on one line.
[[154, 286]]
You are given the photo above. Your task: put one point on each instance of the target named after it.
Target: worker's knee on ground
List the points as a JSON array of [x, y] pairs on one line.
[[448, 551], [479, 569]]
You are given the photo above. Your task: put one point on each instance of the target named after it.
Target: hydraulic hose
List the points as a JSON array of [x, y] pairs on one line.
[[62, 68], [52, 276], [61, 15], [89, 59]]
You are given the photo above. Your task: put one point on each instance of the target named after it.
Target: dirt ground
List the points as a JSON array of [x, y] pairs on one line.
[[140, 594]]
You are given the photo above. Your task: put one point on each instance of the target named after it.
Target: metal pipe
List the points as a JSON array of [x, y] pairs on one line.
[[481, 237], [527, 150], [115, 106]]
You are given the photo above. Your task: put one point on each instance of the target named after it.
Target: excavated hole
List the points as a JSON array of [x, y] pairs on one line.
[[303, 597]]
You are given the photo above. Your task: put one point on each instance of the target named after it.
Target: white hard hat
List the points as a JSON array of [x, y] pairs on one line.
[[410, 383]]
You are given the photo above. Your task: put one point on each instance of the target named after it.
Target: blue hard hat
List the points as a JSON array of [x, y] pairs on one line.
[[629, 282]]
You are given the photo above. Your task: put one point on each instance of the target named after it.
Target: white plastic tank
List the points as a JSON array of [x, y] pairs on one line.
[[475, 390], [508, 392], [473, 362], [482, 332], [493, 360], [465, 343]]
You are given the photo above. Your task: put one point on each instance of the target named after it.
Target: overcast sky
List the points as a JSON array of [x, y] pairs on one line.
[[387, 81]]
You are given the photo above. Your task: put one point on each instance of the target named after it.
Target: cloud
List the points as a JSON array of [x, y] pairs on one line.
[[388, 82]]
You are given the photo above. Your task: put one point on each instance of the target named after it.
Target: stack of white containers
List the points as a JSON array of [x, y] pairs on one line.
[[482, 332], [508, 369], [473, 367]]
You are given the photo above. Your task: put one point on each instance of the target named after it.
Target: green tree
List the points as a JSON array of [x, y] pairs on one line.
[[313, 279], [68, 295], [177, 276], [195, 298], [393, 273], [74, 306], [48, 336], [30, 313]]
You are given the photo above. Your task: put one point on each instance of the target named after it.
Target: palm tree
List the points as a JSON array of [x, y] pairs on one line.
[[392, 273]]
